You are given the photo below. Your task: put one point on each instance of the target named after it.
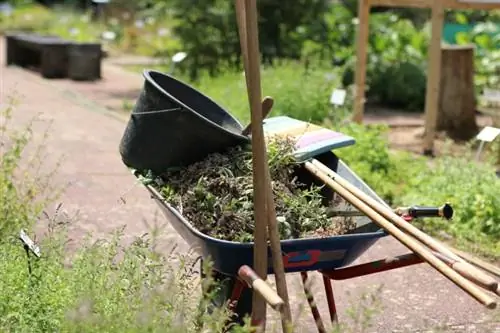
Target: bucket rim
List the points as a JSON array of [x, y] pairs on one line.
[[147, 75]]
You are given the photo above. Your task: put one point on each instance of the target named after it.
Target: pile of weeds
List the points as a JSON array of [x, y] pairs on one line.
[[216, 195]]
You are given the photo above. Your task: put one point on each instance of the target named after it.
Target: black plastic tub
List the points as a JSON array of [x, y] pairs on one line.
[[173, 125]]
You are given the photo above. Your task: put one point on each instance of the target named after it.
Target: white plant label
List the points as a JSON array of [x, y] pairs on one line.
[[338, 97], [488, 134]]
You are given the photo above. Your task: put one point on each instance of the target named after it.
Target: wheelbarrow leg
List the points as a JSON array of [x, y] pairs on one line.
[[330, 299], [238, 288], [312, 303]]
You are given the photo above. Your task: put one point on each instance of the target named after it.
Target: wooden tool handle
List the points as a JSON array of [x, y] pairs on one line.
[[490, 268], [267, 105], [463, 269], [405, 239], [485, 280], [254, 281]]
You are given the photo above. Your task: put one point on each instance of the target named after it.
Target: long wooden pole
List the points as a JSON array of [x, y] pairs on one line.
[[464, 268], [252, 64], [259, 166], [488, 267], [254, 69], [405, 239], [361, 58], [433, 77]]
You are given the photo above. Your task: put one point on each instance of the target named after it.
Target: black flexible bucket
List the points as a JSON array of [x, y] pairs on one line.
[[174, 125]]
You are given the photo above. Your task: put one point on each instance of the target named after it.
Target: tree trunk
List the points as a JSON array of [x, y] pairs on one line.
[[457, 102]]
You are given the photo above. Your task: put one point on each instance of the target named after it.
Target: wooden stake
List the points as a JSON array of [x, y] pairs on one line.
[[407, 240], [433, 77], [259, 141], [248, 31], [361, 55], [258, 164]]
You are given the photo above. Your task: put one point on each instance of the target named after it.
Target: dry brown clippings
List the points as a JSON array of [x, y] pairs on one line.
[[216, 196]]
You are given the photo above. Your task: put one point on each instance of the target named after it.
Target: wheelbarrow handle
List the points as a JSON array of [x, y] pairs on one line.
[[445, 211], [255, 282]]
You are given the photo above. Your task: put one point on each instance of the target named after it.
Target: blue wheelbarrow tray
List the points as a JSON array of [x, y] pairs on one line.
[[304, 254]]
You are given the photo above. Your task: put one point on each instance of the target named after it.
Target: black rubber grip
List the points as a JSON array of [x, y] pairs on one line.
[[418, 211], [445, 211]]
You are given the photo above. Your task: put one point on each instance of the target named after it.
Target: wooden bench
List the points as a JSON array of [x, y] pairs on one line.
[[54, 57]]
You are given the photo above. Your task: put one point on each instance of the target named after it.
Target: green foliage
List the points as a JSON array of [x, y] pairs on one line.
[[140, 292], [26, 18], [297, 92], [486, 37], [472, 189], [384, 171], [281, 31], [400, 85]]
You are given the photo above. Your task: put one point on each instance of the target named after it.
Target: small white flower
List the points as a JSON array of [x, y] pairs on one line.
[[150, 20]]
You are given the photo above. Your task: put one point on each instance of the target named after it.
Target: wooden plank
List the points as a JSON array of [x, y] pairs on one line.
[[361, 58], [403, 3], [448, 4], [433, 77]]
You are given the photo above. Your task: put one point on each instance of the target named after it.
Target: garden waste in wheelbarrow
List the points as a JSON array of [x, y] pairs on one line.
[[173, 126]]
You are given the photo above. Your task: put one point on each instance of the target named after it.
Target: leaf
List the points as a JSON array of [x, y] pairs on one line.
[[461, 18]]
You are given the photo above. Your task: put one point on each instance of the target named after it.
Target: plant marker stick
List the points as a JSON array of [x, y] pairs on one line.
[[404, 238], [467, 270], [259, 150]]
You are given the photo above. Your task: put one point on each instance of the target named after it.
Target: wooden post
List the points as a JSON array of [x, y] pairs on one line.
[[433, 77], [457, 102], [361, 56]]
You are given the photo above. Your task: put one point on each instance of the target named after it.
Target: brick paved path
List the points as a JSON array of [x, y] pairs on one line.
[[87, 135]]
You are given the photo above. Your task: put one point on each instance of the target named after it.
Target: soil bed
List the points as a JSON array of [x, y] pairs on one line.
[[216, 196]]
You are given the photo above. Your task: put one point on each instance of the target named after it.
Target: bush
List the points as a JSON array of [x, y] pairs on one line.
[[400, 85]]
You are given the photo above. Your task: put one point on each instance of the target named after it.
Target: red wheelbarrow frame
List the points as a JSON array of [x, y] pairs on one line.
[[344, 273]]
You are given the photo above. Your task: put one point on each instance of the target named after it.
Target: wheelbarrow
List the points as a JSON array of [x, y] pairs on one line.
[[173, 125]]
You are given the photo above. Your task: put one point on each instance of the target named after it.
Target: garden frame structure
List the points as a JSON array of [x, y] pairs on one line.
[[438, 8]]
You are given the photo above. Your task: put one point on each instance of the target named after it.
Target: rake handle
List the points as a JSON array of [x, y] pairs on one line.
[[484, 279], [405, 239]]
